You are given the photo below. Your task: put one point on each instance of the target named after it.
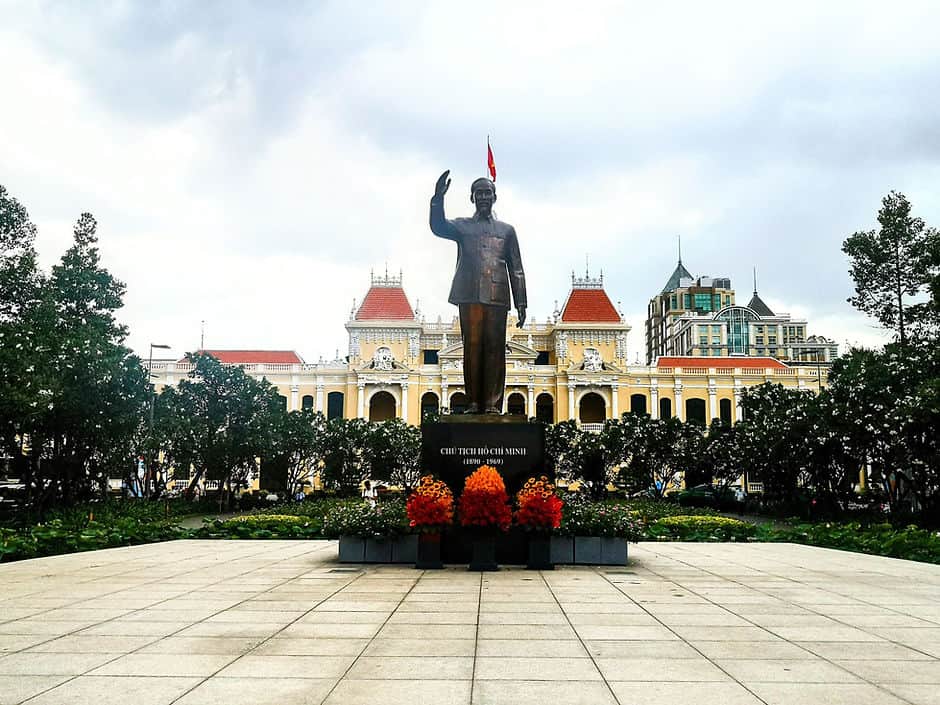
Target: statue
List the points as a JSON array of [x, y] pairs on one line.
[[488, 267]]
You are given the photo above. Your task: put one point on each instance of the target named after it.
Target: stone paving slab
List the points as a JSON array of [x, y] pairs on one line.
[[282, 623]]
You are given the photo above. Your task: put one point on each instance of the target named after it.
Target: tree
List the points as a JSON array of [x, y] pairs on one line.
[[73, 393], [892, 399], [891, 266], [20, 297], [393, 449], [590, 458], [719, 461], [218, 421], [345, 459], [659, 453], [772, 439], [296, 444]]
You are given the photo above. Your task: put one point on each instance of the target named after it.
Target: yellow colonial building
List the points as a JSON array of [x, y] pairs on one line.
[[572, 366]]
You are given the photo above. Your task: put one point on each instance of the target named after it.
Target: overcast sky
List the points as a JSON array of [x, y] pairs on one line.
[[248, 163]]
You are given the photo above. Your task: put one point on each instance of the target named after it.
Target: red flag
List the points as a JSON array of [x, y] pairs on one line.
[[490, 162]]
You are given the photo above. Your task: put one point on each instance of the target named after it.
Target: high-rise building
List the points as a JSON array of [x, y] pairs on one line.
[[699, 318], [682, 295]]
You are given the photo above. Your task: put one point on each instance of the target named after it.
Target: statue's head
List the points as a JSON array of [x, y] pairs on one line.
[[483, 195]]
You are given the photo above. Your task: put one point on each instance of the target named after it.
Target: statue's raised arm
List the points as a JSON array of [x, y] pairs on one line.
[[440, 226]]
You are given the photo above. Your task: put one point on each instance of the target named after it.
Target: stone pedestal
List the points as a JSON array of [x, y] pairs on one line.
[[455, 446]]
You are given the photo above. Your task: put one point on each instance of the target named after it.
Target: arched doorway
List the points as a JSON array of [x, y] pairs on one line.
[[592, 408], [381, 407], [724, 410], [429, 404], [516, 404], [665, 408], [545, 408], [695, 411], [334, 405], [306, 402], [458, 403], [638, 403]]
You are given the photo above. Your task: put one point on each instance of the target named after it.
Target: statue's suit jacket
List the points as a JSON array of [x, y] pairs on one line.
[[488, 261]]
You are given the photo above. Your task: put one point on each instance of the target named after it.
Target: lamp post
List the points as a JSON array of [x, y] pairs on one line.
[[148, 475]]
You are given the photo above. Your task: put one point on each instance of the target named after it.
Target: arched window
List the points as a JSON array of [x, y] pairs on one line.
[[306, 402], [724, 410], [638, 403], [695, 411], [516, 404], [592, 408], [665, 408], [458, 403], [429, 404], [739, 330], [334, 405], [283, 401], [545, 408], [381, 407]]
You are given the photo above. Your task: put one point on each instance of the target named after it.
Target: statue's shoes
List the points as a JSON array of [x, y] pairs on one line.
[[473, 409], [492, 410]]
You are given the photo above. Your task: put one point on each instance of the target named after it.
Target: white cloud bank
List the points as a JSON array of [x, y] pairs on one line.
[[248, 165]]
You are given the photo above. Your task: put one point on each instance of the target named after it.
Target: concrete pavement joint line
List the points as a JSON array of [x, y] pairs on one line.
[[769, 630], [580, 640], [373, 637], [831, 576], [833, 617], [132, 651], [679, 636], [92, 580], [476, 640], [131, 611], [268, 638]]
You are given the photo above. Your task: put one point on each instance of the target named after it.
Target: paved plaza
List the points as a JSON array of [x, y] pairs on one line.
[[281, 622]]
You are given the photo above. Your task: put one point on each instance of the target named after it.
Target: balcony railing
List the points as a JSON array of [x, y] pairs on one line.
[[592, 427]]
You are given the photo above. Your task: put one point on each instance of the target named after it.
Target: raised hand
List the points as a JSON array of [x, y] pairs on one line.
[[443, 183]]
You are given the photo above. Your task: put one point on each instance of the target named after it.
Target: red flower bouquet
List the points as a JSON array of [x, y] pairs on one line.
[[539, 506], [484, 502], [431, 506]]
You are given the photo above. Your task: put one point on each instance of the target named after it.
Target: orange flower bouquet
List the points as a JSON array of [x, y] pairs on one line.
[[539, 506], [484, 502], [431, 506]]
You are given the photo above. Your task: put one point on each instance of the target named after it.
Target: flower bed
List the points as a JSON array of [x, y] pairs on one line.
[[700, 528]]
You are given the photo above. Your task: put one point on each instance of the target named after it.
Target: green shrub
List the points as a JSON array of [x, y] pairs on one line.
[[700, 528], [582, 517], [56, 537], [649, 510], [388, 518], [261, 526], [911, 542]]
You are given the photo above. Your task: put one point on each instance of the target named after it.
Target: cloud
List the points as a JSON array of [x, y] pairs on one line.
[[248, 164]]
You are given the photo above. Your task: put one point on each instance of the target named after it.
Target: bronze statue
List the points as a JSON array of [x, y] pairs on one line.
[[488, 266]]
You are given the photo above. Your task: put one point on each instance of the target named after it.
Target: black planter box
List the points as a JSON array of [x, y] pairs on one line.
[[352, 549], [429, 552], [562, 550], [540, 552], [401, 549], [483, 557]]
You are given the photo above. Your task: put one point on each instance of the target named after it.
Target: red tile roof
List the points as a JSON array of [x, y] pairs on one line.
[[722, 362], [247, 357], [589, 305], [384, 303]]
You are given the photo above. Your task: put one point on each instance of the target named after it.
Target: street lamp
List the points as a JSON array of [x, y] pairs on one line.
[[153, 394]]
